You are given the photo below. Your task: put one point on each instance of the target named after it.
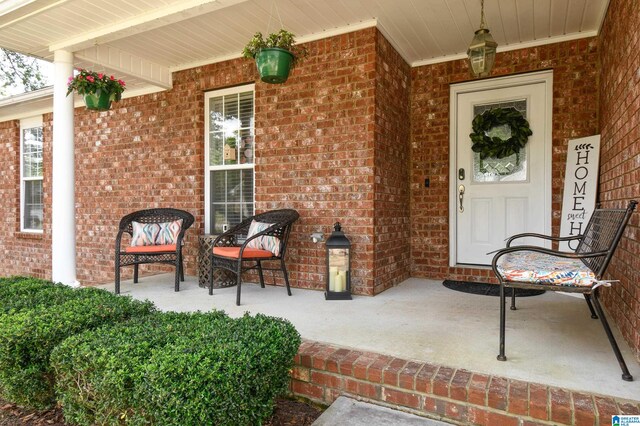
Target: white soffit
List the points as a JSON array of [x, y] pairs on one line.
[[147, 39], [118, 61]]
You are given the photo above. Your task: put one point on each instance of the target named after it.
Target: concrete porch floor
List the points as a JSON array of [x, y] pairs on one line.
[[550, 339]]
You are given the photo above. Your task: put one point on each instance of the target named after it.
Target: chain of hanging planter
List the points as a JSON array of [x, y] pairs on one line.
[[493, 146]]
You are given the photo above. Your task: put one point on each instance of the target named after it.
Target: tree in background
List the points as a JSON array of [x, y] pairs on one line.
[[17, 70]]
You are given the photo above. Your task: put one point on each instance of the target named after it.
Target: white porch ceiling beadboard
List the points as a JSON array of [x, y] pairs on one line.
[[179, 34]]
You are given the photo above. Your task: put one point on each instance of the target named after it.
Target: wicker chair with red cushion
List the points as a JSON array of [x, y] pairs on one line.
[[156, 237], [257, 239]]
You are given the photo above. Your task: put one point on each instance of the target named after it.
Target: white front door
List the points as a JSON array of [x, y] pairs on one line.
[[493, 199]]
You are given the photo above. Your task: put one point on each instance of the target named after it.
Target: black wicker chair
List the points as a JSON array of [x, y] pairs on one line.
[[230, 254], [580, 272], [138, 255]]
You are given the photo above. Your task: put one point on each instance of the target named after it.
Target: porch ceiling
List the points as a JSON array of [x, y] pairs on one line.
[[168, 35]]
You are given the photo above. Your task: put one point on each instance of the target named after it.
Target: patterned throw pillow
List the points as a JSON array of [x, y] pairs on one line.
[[265, 242], [169, 232], [144, 234], [149, 234]]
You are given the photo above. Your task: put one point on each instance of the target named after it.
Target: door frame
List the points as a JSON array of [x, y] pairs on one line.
[[455, 90]]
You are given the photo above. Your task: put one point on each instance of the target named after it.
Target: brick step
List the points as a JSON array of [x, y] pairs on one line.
[[323, 372]]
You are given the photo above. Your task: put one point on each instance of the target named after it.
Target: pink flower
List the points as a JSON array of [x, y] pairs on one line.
[[80, 77], [112, 78], [121, 83], [100, 75], [90, 79], [70, 79]]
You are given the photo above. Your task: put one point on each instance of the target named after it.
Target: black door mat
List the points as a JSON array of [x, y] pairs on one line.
[[488, 289]]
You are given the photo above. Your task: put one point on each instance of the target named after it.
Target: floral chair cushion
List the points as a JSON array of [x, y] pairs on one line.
[[540, 268]]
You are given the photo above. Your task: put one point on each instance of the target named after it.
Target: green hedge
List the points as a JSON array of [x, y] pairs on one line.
[[176, 369], [23, 293], [40, 316]]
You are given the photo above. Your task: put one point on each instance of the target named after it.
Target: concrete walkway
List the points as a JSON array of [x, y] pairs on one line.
[[349, 412]]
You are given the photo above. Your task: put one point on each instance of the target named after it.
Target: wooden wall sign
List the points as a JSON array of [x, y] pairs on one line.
[[580, 187]]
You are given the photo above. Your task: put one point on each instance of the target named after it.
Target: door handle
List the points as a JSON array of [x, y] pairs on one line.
[[461, 197]]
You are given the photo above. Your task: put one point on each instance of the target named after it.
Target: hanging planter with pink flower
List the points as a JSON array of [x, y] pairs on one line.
[[98, 89]]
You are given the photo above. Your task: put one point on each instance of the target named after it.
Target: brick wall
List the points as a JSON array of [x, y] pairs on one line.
[[315, 153], [315, 149], [392, 233], [575, 114], [620, 156], [145, 152], [22, 253]]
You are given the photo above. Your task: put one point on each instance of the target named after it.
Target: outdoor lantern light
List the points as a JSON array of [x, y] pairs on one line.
[[482, 51], [338, 265]]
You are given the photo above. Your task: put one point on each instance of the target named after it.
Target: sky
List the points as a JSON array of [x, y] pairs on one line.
[[47, 72]]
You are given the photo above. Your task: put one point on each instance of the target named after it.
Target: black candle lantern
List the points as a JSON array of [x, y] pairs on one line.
[[338, 266]]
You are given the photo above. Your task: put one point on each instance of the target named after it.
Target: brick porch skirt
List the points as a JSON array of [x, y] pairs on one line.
[[323, 372]]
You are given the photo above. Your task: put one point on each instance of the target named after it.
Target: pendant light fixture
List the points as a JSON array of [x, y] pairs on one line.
[[482, 51]]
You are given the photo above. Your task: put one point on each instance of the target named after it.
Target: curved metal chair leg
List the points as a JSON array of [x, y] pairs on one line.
[[587, 297], [181, 268], [211, 274], [238, 281], [503, 314], [626, 376], [178, 264], [117, 277], [286, 276], [135, 271], [513, 299], [260, 273]]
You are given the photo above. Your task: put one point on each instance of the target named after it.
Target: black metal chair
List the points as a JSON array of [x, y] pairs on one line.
[[156, 253], [230, 251], [580, 272]]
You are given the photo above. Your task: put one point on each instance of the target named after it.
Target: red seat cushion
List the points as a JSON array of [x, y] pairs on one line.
[[167, 248], [234, 252]]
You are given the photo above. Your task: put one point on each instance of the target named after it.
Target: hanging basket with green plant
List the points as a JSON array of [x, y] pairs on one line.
[[499, 133], [275, 56], [98, 89]]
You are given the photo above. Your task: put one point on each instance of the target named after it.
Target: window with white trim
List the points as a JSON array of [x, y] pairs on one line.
[[229, 157], [31, 204]]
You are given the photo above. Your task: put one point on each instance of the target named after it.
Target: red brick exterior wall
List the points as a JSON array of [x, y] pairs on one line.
[[392, 231], [22, 252], [317, 138], [575, 114], [620, 156], [315, 153]]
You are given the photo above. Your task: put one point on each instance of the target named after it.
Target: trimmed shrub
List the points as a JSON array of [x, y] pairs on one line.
[[176, 369], [27, 336], [98, 372], [23, 293]]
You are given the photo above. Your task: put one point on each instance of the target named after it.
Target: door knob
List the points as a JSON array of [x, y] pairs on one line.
[[461, 197]]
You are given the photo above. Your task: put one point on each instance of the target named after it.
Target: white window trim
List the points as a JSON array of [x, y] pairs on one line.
[[208, 168], [27, 123]]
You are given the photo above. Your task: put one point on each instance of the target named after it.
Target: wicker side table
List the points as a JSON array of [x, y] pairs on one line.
[[221, 277]]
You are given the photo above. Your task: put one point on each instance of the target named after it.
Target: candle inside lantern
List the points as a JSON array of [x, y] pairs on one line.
[[333, 275], [341, 281]]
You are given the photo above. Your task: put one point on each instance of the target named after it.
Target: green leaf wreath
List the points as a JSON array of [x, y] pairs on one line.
[[495, 147]]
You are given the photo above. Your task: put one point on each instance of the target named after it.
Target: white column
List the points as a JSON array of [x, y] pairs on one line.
[[63, 220]]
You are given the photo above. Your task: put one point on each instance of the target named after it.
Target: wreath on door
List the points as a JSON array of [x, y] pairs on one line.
[[495, 146]]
